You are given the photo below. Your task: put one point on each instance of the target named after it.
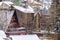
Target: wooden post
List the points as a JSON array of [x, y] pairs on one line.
[[26, 23], [37, 18], [37, 24]]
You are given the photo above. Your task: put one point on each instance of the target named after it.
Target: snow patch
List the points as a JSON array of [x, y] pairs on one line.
[[24, 37], [2, 34]]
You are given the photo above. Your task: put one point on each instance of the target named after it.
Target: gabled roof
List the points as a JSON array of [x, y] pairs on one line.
[[8, 3], [25, 10]]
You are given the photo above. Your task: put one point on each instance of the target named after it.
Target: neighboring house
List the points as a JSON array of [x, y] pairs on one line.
[[5, 12], [5, 4], [24, 15], [5, 18]]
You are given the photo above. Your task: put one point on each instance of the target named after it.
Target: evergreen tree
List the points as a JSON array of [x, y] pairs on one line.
[[17, 2]]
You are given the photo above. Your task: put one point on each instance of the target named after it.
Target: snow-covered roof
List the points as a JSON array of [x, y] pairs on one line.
[[25, 10], [24, 37], [7, 3]]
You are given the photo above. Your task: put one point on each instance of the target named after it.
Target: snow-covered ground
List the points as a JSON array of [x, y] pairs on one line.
[[18, 37], [45, 31], [24, 37], [2, 35]]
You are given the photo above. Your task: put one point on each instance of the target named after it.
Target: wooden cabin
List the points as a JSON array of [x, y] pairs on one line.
[[22, 17], [25, 16], [19, 17]]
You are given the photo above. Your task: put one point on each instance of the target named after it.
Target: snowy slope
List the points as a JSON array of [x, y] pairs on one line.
[[24, 37]]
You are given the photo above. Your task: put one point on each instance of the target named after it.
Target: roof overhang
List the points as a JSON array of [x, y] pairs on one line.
[[25, 10]]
